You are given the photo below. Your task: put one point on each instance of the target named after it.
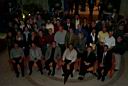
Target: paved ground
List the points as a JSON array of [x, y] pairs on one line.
[[7, 77]]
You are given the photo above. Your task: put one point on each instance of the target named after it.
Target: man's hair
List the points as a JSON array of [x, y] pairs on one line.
[[106, 46]]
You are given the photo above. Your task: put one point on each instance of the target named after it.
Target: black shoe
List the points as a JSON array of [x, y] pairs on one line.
[[63, 74], [103, 78], [98, 77], [53, 73], [80, 78], [30, 73], [71, 75], [17, 75], [22, 75], [41, 73], [116, 69], [49, 73], [94, 74]]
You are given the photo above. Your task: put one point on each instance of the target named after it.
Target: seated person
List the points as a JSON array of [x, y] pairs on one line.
[[16, 55], [87, 61], [104, 63], [53, 54], [35, 58], [69, 58]]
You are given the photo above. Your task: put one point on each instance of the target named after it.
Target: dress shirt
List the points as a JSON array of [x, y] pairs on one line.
[[35, 53], [110, 41], [16, 53], [70, 55]]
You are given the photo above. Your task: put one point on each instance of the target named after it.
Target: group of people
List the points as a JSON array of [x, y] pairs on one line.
[[61, 40], [73, 6]]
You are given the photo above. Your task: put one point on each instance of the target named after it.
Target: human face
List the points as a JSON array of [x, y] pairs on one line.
[[110, 33], [40, 33], [105, 48], [89, 49], [119, 39], [61, 28], [104, 29], [9, 34], [33, 45], [70, 47], [16, 45], [53, 44]]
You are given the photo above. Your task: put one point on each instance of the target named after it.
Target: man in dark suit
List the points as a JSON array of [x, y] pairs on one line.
[[104, 63], [83, 5], [52, 56], [86, 62], [91, 4], [76, 2]]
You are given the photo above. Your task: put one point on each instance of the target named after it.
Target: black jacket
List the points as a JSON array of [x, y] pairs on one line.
[[91, 58], [107, 61]]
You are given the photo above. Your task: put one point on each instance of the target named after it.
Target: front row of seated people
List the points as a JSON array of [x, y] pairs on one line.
[[53, 55]]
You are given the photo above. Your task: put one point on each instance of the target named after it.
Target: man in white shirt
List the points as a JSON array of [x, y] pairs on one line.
[[69, 57], [110, 40], [49, 25]]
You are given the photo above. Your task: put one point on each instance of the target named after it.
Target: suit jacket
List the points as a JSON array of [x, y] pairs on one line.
[[73, 40], [107, 61], [57, 53], [91, 58], [90, 39]]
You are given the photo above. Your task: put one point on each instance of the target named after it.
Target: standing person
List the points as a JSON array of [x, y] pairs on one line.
[[83, 5], [16, 55], [76, 2], [110, 41], [71, 37], [52, 55], [118, 50], [69, 57], [19, 39], [87, 61], [42, 42], [81, 44], [91, 4], [104, 63], [35, 55], [26, 37], [70, 4], [60, 38]]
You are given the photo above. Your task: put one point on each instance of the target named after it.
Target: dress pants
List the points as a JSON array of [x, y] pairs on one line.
[[104, 73], [62, 47], [38, 62], [53, 65], [83, 68], [65, 69], [117, 61], [21, 64]]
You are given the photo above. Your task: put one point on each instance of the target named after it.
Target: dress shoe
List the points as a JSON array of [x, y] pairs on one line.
[[49, 73], [103, 78], [116, 69], [80, 78], [17, 75], [30, 73], [71, 75], [98, 77]]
